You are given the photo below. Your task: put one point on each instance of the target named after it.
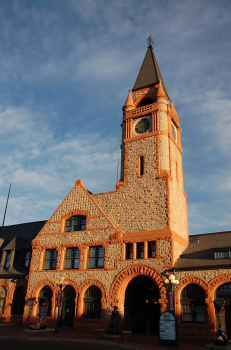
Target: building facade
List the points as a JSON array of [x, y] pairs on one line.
[[116, 248]]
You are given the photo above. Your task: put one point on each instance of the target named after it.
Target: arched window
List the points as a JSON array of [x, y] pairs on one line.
[[2, 299], [19, 301], [92, 303], [75, 223], [193, 308], [45, 294], [224, 292]]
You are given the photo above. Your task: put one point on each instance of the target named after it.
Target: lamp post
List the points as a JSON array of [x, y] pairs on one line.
[[171, 283], [61, 283]]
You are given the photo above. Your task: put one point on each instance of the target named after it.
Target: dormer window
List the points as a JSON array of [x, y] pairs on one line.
[[7, 260], [27, 259], [222, 254], [75, 223]]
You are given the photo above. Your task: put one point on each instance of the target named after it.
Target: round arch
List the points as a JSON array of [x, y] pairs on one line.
[[148, 96], [118, 288], [208, 300], [76, 288], [217, 282], [84, 286], [35, 294]]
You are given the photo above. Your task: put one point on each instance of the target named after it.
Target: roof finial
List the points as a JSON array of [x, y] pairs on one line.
[[150, 40]]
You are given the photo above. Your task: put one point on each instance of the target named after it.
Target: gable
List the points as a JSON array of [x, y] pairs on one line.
[[78, 202]]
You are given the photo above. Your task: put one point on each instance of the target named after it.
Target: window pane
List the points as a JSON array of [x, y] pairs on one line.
[[200, 313], [54, 259], [140, 250], [186, 313], [222, 255], [7, 261], [76, 258], [75, 224], [224, 291], [27, 259], [68, 258], [47, 259], [129, 251], [100, 262], [83, 224], [151, 249], [68, 225], [91, 257]]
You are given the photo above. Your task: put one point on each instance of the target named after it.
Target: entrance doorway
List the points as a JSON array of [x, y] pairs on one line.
[[68, 307], [141, 305]]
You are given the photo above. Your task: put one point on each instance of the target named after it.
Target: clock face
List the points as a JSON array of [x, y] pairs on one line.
[[142, 126]]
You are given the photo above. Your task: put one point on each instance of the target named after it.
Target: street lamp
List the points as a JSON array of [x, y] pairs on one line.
[[171, 283], [61, 283]]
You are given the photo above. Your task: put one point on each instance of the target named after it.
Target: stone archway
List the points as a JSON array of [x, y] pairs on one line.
[[84, 286], [150, 277]]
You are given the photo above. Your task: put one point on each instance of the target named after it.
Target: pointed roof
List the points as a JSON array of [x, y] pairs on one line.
[[149, 73], [129, 104]]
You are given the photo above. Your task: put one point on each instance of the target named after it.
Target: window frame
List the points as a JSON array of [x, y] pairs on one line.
[[129, 251], [52, 261], [7, 261], [81, 223], [140, 250], [72, 259], [194, 303], [94, 257], [151, 251], [26, 259], [219, 251]]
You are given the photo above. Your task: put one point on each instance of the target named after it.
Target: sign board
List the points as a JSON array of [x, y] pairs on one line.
[[168, 329], [58, 304], [171, 302]]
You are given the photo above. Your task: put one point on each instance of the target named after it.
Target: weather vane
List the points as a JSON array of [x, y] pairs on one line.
[[150, 40]]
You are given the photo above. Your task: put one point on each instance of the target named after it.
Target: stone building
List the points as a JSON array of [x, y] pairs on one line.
[[116, 248]]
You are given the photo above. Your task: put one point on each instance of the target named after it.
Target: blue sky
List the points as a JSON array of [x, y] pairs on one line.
[[66, 67]]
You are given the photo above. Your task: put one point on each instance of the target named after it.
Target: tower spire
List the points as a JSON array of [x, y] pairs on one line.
[[149, 74]]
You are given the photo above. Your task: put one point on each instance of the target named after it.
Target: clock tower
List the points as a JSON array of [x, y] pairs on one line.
[[151, 157]]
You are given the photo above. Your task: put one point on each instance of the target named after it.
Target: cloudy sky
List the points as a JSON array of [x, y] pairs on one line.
[[65, 69]]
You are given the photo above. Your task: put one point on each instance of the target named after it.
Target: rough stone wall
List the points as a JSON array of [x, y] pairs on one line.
[[75, 237], [178, 202], [76, 199], [163, 250], [178, 250], [164, 152], [163, 120], [140, 205], [35, 259], [51, 227]]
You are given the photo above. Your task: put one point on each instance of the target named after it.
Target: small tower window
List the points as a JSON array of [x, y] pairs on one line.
[[173, 131], [141, 165]]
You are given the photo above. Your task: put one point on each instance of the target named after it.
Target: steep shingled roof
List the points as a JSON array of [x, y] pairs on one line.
[[200, 251], [149, 73]]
